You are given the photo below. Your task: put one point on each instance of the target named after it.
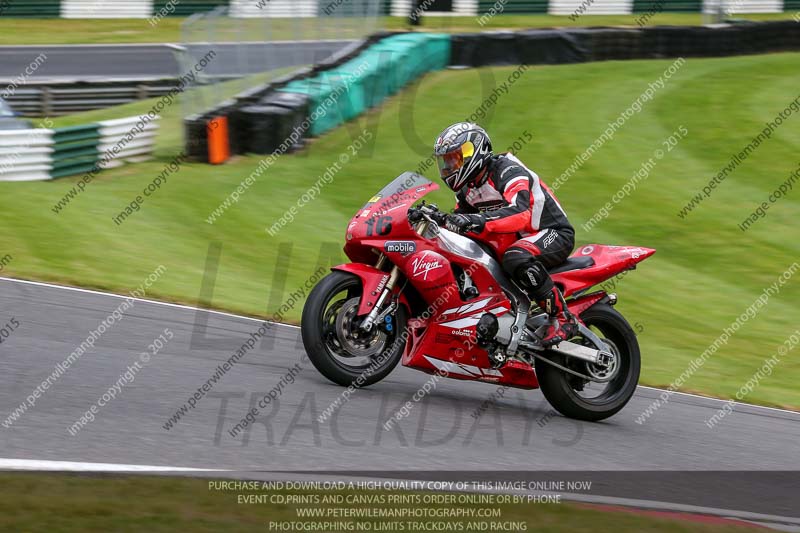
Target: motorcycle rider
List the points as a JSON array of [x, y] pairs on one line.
[[499, 194]]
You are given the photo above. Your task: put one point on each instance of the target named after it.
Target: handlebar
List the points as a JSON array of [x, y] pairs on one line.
[[428, 212]]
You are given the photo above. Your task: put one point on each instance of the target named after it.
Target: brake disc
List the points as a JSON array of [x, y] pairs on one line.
[[355, 341]]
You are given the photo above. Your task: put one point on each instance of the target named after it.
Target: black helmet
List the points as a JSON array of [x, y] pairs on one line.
[[462, 151]]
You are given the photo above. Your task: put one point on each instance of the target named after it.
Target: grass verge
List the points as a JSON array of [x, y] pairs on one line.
[[705, 274]]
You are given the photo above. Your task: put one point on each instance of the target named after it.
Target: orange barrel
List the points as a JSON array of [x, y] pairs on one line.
[[219, 149]]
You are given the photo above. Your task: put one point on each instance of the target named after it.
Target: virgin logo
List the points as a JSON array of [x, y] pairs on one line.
[[422, 265]]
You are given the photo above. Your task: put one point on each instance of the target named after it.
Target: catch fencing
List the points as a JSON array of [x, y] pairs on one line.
[[42, 154], [253, 55]]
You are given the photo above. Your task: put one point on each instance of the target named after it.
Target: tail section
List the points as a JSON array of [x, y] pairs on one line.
[[608, 262]]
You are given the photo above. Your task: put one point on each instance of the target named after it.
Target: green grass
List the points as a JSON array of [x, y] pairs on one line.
[[81, 503], [705, 274], [99, 31]]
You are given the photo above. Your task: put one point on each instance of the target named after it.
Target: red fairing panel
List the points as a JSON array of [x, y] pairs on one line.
[[608, 262], [372, 280], [446, 344], [440, 349], [578, 306]]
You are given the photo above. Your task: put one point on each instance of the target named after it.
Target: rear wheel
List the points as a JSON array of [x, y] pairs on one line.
[[587, 400], [334, 341]]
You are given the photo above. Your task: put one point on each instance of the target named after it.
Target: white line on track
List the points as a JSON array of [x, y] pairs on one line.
[[231, 315], [721, 400], [70, 466], [156, 302]]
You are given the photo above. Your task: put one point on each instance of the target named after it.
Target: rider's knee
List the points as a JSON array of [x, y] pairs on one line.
[[517, 259]]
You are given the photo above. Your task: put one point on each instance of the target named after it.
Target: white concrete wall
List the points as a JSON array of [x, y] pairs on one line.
[[733, 7], [461, 8], [596, 7], [275, 8], [105, 9]]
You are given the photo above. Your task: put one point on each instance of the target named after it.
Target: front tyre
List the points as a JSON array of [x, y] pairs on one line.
[[585, 400], [334, 342]]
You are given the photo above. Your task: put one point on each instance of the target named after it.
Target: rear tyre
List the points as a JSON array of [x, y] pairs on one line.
[[567, 393], [334, 342]]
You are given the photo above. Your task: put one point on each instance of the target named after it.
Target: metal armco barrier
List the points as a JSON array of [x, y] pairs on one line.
[[118, 141], [26, 155], [57, 98], [42, 154]]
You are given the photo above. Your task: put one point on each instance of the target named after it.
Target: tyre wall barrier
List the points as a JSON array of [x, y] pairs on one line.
[[573, 45], [278, 116]]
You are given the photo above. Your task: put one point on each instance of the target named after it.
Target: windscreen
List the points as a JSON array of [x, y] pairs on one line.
[[407, 182]]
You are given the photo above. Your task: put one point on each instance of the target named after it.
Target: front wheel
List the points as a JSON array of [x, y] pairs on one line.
[[334, 341], [586, 400]]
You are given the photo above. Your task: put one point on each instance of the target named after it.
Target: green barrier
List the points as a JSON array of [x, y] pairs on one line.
[[398, 56], [412, 55], [434, 47], [75, 149], [350, 90], [64, 136], [71, 170], [186, 7], [372, 75], [327, 111], [373, 80], [513, 6], [688, 6], [346, 91], [31, 8], [384, 63]]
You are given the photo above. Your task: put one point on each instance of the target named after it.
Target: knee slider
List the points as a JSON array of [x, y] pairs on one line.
[[536, 278]]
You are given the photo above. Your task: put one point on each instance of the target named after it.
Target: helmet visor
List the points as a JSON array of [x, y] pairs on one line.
[[450, 163]]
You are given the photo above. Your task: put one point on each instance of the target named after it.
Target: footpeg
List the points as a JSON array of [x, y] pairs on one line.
[[497, 358]]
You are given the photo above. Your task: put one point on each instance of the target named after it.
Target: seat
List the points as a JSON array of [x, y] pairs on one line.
[[572, 263]]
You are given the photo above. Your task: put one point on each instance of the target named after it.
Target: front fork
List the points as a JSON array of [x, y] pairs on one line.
[[376, 315]]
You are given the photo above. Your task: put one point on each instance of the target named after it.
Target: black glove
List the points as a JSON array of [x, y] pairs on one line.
[[462, 223]]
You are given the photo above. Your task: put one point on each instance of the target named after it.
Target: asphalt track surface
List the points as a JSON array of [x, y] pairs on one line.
[[155, 61], [671, 461]]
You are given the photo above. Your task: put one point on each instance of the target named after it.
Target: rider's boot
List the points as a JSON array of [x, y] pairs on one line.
[[541, 289], [563, 325]]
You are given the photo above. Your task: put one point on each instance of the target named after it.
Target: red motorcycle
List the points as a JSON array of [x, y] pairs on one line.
[[441, 303]]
